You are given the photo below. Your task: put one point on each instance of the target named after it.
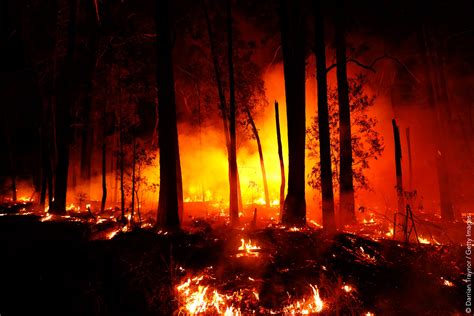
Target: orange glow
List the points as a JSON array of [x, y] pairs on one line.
[[196, 297], [248, 249]]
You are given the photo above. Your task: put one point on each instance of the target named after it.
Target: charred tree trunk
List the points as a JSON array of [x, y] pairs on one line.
[[168, 206], [234, 197], [179, 179], [133, 176], [92, 29], [436, 92], [398, 167], [280, 156], [260, 154], [410, 167], [122, 162], [46, 176], [104, 155], [346, 185], [293, 47], [11, 160], [64, 93], [329, 223]]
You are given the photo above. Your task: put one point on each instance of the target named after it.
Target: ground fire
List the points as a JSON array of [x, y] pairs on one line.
[[236, 157]]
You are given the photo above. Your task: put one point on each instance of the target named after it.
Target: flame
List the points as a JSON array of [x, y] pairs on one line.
[[427, 241], [306, 306], [448, 283], [389, 233], [347, 288], [248, 249], [25, 199], [197, 298]]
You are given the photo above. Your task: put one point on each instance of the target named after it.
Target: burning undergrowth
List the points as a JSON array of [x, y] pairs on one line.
[[210, 269]]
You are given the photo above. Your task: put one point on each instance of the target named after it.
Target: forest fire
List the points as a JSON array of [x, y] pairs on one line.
[[236, 157]]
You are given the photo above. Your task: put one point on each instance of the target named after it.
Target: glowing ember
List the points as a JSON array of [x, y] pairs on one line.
[[347, 288], [423, 240], [47, 218], [247, 249], [389, 233], [369, 314], [448, 283]]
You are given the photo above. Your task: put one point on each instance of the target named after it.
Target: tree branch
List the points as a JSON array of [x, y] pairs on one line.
[[371, 66]]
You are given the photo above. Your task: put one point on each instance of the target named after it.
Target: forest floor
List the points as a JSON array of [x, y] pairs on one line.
[[64, 267]]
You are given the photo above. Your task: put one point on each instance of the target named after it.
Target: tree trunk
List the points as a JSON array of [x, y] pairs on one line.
[[346, 185], [168, 206], [11, 159], [234, 196], [437, 99], [133, 176], [280, 156], [179, 179], [398, 167], [122, 161], [329, 223], [222, 100], [260, 154], [104, 156], [410, 166], [293, 47], [46, 176], [64, 92], [90, 58]]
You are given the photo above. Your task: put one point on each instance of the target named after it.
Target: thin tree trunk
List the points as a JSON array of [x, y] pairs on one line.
[[63, 116], [329, 223], [234, 197], [346, 185], [122, 164], [179, 180], [168, 206], [410, 168], [280, 156], [222, 100], [11, 160], [104, 156], [260, 154], [398, 167], [46, 177], [133, 176], [293, 47]]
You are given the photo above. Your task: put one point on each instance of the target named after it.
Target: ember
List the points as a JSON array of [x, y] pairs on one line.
[[248, 249]]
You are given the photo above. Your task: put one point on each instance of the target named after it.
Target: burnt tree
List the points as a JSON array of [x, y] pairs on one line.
[[435, 87], [292, 26], [64, 100], [346, 185], [323, 122], [168, 206]]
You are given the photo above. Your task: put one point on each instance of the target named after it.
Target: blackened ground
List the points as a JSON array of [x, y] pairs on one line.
[[55, 268]]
